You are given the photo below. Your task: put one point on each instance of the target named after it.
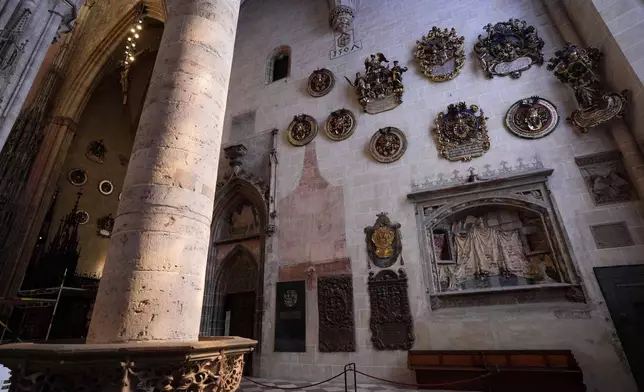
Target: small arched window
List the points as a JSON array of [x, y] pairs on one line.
[[279, 64]]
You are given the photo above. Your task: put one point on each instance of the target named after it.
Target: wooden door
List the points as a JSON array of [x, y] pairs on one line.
[[242, 320], [623, 289]]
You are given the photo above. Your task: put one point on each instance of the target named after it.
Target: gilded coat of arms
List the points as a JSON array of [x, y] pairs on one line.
[[509, 48], [302, 130], [388, 145], [383, 241], [577, 67], [460, 133], [441, 54], [381, 88], [320, 82], [532, 118], [340, 125]]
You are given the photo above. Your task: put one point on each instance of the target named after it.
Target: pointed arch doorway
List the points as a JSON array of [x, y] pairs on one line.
[[233, 297]]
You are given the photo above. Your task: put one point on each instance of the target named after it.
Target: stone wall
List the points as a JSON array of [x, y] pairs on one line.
[[392, 27], [106, 118]]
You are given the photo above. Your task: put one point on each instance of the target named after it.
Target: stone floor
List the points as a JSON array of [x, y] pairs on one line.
[[333, 386]]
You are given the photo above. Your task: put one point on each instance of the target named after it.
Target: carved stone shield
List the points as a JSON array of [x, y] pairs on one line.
[[532, 118], [460, 134], [441, 54], [388, 145], [340, 125], [391, 322], [509, 48], [302, 130], [383, 241], [320, 82]]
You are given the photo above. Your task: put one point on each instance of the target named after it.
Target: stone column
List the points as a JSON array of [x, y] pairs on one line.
[[153, 281]]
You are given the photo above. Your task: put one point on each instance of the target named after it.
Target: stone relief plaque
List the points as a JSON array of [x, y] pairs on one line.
[[509, 48], [340, 125], [460, 134], [320, 82], [532, 118], [606, 177], [302, 130], [335, 304], [441, 54], [391, 321], [578, 68], [381, 88], [611, 235], [383, 241], [388, 145], [290, 317]]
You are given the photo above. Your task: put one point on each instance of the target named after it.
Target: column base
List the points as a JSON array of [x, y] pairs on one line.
[[212, 364]]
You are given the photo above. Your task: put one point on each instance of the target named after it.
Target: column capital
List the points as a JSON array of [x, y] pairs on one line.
[[341, 14]]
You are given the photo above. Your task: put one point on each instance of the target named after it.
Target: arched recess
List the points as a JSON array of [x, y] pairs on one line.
[[228, 251], [280, 54]]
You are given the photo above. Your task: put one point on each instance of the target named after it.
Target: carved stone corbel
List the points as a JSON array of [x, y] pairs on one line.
[[341, 14]]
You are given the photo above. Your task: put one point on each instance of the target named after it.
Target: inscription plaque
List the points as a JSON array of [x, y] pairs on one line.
[[611, 235], [290, 317], [335, 306], [391, 322]]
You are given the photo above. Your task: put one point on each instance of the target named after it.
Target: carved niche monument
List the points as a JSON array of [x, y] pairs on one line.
[[381, 88]]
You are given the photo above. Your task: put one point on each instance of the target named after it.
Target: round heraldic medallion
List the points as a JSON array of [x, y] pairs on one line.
[[320, 82], [340, 125], [388, 145], [106, 187], [532, 118], [77, 177], [82, 217], [302, 130], [290, 298]]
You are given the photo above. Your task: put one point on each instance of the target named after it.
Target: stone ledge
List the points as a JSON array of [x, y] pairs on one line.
[[508, 296]]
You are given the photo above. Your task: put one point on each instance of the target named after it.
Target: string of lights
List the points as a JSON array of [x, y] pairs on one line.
[[133, 35]]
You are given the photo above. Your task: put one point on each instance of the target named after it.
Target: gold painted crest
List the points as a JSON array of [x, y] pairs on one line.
[[382, 238]]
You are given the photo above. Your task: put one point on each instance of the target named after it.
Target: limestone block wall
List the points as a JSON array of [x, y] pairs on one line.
[[368, 187]]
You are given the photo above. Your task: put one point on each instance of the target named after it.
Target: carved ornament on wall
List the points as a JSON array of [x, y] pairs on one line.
[[96, 151], [77, 177], [578, 68], [532, 118], [460, 134], [391, 322], [105, 225], [106, 187], [82, 217], [335, 304], [383, 240], [509, 48], [388, 145], [441, 54], [302, 130], [320, 82], [340, 125], [381, 88]]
